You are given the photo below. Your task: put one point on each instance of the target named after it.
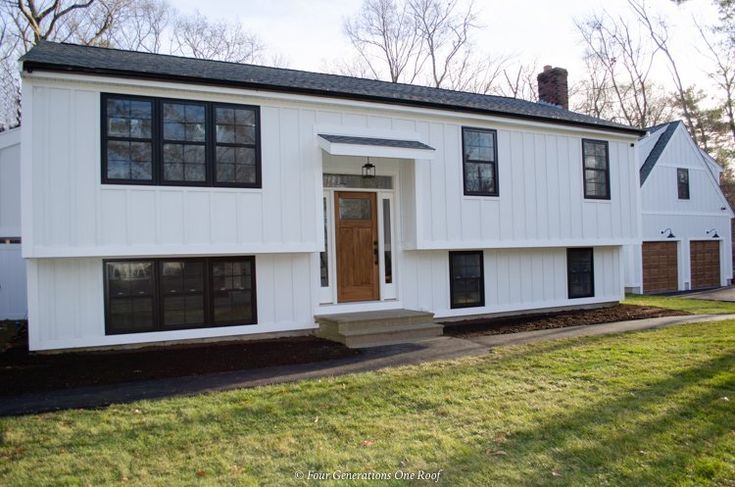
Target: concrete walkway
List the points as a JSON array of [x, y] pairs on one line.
[[441, 348]]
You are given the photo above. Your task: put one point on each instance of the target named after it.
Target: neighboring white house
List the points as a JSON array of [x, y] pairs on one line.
[[12, 268], [686, 220], [168, 198]]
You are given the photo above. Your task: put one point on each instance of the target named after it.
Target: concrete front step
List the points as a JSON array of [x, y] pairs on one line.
[[375, 328]]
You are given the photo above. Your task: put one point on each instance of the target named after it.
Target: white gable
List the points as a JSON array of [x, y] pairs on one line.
[[659, 192]]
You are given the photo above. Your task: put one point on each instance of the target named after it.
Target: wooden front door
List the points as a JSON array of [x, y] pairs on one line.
[[356, 230], [705, 263]]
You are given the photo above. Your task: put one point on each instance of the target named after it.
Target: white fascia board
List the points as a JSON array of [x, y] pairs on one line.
[[9, 137], [169, 88], [337, 149]]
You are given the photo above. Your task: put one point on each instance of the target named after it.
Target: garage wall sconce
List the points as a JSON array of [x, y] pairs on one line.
[[713, 231], [670, 235]]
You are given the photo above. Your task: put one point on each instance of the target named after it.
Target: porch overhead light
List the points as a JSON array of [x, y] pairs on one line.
[[368, 169], [713, 231], [670, 235]]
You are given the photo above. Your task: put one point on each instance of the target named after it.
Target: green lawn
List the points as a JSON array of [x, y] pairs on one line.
[[644, 408], [694, 306]]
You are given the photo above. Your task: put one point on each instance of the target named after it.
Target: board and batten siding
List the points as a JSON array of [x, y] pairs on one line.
[[66, 303], [541, 199], [74, 215], [515, 280], [688, 219]]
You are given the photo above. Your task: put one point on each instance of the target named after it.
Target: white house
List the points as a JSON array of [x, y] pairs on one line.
[[12, 267], [168, 198], [685, 218]]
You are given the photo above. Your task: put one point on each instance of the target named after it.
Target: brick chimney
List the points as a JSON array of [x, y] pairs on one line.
[[552, 87]]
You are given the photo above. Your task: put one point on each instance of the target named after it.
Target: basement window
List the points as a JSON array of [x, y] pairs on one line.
[[146, 295], [580, 273], [466, 279], [682, 183]]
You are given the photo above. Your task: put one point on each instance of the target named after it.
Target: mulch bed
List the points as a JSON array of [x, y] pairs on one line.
[[561, 319], [22, 372]]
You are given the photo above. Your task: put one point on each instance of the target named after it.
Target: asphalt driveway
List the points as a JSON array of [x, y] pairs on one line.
[[721, 294]]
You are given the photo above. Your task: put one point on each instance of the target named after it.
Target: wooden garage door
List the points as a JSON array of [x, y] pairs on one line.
[[705, 262], [660, 270]]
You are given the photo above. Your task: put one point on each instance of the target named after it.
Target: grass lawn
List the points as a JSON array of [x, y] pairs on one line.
[[694, 306], [644, 408]]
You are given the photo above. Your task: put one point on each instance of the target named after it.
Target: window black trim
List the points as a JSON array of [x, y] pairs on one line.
[[157, 143], [682, 186], [494, 164], [591, 252], [158, 301], [606, 171], [452, 304]]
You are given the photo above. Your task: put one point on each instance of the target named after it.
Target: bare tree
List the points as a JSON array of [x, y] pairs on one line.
[[626, 62], [659, 34], [199, 37], [444, 31], [722, 54], [518, 81], [142, 26], [385, 37], [477, 76]]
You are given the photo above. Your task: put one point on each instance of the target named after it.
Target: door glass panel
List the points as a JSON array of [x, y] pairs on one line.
[[387, 251], [356, 181], [354, 209], [323, 255]]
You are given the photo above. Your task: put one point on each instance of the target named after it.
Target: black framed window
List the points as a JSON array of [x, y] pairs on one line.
[[480, 161], [233, 290], [596, 167], [580, 273], [179, 142], [128, 134], [184, 138], [682, 183], [170, 294], [236, 150], [131, 292], [182, 288], [466, 279]]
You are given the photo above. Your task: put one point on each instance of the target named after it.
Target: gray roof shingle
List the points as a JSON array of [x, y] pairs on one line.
[[401, 144], [658, 148], [96, 60]]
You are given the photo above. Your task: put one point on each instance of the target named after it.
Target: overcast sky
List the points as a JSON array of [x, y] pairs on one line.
[[309, 33]]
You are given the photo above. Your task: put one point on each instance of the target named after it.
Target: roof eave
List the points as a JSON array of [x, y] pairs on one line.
[[30, 66]]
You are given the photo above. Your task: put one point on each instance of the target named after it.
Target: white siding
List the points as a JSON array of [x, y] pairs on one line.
[[67, 305], [71, 221], [541, 199], [689, 219], [74, 215], [10, 183], [515, 280], [13, 304]]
